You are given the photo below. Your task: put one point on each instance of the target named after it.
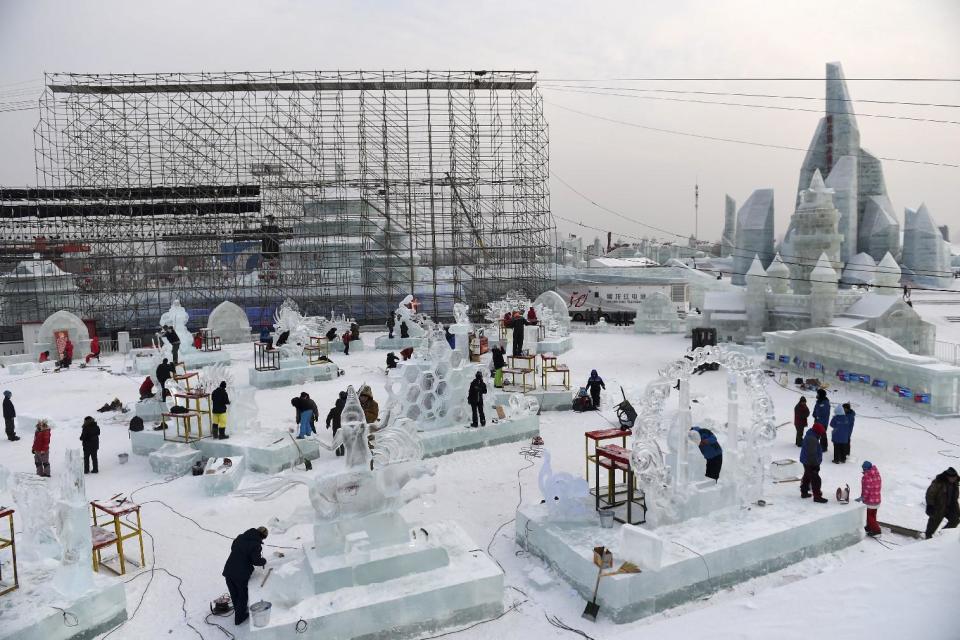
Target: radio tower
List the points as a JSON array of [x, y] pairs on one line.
[[696, 209]]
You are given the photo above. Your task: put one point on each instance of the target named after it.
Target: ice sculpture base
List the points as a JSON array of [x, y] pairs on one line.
[[145, 361], [398, 344], [198, 359], [440, 442], [151, 409], [21, 368], [736, 544], [355, 345], [219, 479], [173, 459], [292, 372], [99, 609], [467, 588], [556, 346], [549, 399], [263, 451]]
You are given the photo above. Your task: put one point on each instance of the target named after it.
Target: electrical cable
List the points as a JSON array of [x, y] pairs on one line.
[[752, 106], [762, 95], [70, 619], [749, 79], [751, 143], [203, 528]]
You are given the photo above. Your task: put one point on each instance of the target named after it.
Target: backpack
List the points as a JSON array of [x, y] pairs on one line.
[[136, 423]]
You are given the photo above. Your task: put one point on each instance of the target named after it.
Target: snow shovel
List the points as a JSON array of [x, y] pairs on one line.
[[306, 463], [592, 609]]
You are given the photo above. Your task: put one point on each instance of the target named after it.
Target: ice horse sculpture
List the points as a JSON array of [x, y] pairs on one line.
[[370, 573], [672, 481]]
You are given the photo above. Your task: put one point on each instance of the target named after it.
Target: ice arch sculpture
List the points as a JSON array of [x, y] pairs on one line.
[[660, 450]]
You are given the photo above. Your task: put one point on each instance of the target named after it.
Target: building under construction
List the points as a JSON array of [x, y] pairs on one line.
[[342, 190]]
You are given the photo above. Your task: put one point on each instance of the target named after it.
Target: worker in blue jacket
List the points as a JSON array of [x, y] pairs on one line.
[[712, 452], [842, 425], [821, 414]]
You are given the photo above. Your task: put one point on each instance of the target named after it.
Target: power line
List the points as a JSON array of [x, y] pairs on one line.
[[732, 140], [749, 79], [764, 95], [753, 106]]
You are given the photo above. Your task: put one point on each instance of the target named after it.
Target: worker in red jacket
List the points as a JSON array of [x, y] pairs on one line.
[[198, 341], [146, 388], [347, 336], [94, 350], [41, 449], [531, 315]]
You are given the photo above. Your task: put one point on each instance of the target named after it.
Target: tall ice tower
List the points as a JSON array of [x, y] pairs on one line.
[[814, 226]]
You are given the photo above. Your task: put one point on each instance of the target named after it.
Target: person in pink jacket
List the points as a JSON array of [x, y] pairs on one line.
[[870, 496]]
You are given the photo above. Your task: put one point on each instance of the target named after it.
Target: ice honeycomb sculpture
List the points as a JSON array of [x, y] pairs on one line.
[[431, 389], [670, 479]]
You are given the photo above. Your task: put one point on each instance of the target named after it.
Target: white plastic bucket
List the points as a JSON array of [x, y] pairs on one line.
[[260, 613], [123, 457], [606, 518]]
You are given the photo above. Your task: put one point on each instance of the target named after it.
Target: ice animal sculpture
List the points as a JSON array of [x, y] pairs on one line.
[[359, 498], [299, 328], [565, 494], [176, 316], [666, 479]]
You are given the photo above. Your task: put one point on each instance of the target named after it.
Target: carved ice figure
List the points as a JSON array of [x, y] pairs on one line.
[[553, 313], [361, 499], [407, 314], [564, 493], [36, 514], [176, 316], [461, 313], [288, 319]]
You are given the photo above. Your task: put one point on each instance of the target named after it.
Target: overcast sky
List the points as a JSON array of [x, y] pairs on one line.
[[642, 174]]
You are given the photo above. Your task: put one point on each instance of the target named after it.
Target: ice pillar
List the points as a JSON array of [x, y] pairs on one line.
[[75, 575]]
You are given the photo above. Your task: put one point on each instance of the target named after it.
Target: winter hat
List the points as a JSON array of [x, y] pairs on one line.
[[479, 375], [819, 428], [867, 465], [951, 472], [263, 532], [593, 372], [7, 394]]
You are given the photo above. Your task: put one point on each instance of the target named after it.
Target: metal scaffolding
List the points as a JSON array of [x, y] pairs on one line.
[[342, 190]]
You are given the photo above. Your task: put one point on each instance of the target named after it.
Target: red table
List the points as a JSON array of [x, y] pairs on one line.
[[615, 458], [598, 437]]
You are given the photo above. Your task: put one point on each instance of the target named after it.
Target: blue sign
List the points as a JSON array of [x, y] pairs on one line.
[[770, 355], [785, 359]]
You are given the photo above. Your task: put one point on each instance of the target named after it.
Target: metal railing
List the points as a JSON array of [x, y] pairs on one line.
[[949, 352]]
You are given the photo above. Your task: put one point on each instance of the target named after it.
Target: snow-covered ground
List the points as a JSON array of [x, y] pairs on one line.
[[891, 588]]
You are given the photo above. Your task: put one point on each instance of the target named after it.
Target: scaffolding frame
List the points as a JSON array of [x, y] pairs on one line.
[[159, 187]]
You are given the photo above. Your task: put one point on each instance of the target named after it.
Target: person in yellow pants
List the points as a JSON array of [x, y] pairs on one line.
[[219, 401]]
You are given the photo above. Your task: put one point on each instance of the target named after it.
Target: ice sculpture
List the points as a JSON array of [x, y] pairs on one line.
[[670, 485], [431, 389], [657, 314], [887, 280], [926, 256], [754, 233], [461, 328], [176, 316], [229, 322], [565, 494], [861, 270], [75, 575], [866, 216], [242, 414], [173, 459], [729, 227], [36, 514], [359, 498], [406, 313], [553, 313], [288, 320], [814, 226], [779, 276]]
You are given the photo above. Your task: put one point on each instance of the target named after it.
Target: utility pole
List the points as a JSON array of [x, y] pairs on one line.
[[696, 209]]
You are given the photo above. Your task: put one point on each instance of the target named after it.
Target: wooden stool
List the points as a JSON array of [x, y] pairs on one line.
[[115, 531], [9, 543]]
